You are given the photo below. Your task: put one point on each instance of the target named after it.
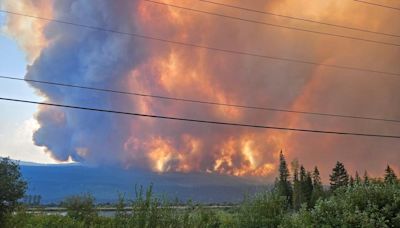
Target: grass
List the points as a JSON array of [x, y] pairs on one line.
[[363, 205]]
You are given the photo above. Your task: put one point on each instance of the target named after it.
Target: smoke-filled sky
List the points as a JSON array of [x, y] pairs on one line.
[[75, 55]]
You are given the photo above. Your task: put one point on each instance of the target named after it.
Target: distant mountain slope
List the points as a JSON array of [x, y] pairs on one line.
[[55, 182]]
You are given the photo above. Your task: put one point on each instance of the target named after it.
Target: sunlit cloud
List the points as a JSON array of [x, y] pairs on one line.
[[92, 58]]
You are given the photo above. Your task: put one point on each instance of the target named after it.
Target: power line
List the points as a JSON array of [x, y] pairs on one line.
[[200, 101], [299, 18], [274, 25], [201, 121], [283, 59], [376, 4]]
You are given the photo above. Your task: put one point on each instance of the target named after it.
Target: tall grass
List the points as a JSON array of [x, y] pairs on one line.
[[372, 205]]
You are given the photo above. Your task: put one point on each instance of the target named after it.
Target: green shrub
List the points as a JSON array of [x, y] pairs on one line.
[[372, 205], [301, 219], [264, 210], [81, 208]]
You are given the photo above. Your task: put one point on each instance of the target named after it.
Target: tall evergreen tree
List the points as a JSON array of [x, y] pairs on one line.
[[390, 176], [302, 187], [351, 181], [366, 178], [304, 191], [357, 179], [308, 189], [318, 190], [283, 184], [296, 185], [339, 176]]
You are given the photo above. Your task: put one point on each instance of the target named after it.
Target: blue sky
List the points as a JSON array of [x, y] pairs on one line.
[[16, 120]]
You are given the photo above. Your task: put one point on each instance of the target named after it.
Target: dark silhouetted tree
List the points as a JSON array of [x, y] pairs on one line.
[[357, 179], [296, 185], [12, 186], [308, 189], [318, 190], [366, 178], [305, 186], [283, 185], [351, 181], [390, 176], [339, 176]]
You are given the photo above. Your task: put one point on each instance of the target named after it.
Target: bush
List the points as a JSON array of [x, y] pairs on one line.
[[202, 217], [301, 219], [81, 208], [373, 205], [264, 210]]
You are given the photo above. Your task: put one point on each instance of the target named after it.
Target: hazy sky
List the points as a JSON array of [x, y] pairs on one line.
[[75, 55]]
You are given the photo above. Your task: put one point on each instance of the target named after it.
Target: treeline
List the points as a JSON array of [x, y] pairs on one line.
[[32, 200], [304, 188]]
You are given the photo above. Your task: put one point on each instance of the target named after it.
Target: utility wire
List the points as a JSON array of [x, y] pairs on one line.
[[201, 121], [376, 4], [273, 25], [199, 101], [236, 52], [299, 18]]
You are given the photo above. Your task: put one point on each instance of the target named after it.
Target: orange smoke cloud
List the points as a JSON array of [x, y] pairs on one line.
[[160, 68], [28, 32]]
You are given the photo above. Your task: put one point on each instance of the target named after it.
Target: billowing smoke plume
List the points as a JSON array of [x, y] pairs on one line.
[[75, 55]]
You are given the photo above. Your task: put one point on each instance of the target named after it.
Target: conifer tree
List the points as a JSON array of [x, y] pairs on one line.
[[390, 176], [357, 179], [308, 189], [301, 191], [366, 178], [318, 190], [296, 185], [339, 176], [351, 181], [283, 184]]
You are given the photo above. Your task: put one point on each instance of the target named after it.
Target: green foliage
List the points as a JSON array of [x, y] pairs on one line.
[[373, 205], [303, 187], [12, 186], [357, 179], [264, 210], [81, 208], [318, 190], [149, 211], [302, 219], [366, 178], [339, 176], [306, 187], [296, 198], [120, 214], [23, 219], [204, 218], [390, 176], [283, 185]]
